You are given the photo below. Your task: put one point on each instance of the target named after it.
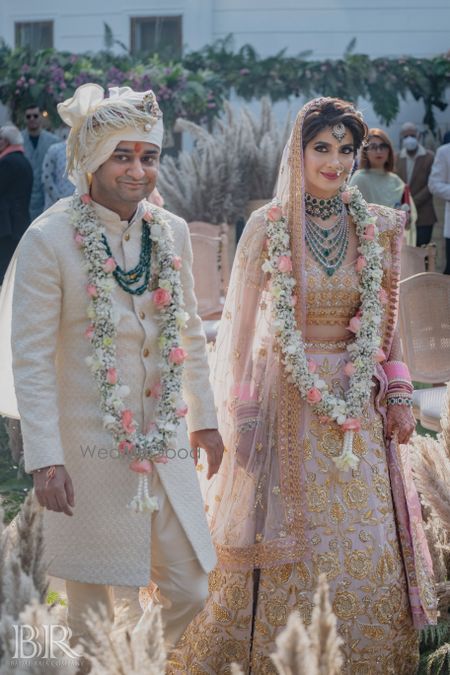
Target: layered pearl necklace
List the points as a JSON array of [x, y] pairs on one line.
[[363, 352]]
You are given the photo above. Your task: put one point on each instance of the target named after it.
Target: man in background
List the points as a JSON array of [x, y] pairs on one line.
[[439, 185], [36, 143], [414, 166], [16, 179]]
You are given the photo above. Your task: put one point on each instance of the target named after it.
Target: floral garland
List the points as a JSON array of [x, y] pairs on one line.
[[363, 352], [102, 332]]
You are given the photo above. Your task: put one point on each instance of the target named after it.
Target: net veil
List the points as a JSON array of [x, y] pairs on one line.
[[254, 504]]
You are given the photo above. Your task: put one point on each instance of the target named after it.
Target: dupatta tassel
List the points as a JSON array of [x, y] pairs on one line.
[[143, 501], [347, 459]]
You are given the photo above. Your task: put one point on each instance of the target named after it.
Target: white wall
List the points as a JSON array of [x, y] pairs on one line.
[[381, 27]]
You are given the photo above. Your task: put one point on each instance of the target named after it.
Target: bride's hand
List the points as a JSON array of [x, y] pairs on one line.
[[400, 421]]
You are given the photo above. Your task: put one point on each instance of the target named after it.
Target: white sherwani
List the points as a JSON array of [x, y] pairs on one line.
[[104, 542]]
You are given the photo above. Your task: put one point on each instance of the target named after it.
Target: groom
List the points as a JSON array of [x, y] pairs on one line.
[[76, 448]]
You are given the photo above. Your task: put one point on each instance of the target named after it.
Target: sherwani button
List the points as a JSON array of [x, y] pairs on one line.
[[126, 236], [142, 315], [146, 352], [148, 392]]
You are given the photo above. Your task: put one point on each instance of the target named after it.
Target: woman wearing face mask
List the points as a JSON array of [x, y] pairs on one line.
[[378, 182], [312, 399]]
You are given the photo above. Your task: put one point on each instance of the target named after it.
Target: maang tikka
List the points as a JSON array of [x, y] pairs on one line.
[[338, 131]]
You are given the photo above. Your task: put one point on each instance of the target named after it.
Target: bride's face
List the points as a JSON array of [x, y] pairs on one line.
[[328, 163]]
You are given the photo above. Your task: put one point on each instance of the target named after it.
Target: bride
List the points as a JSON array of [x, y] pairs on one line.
[[314, 402]]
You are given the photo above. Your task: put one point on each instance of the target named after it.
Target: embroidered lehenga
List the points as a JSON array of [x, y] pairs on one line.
[[280, 510]]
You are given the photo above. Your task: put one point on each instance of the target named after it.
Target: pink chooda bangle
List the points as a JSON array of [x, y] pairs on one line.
[[396, 370]]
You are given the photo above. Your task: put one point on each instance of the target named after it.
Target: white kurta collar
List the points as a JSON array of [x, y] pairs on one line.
[[112, 221]]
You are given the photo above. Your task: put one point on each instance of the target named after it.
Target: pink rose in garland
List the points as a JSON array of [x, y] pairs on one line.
[[274, 214], [127, 422], [284, 264], [177, 355], [162, 298], [314, 395], [351, 424], [177, 262], [141, 466]]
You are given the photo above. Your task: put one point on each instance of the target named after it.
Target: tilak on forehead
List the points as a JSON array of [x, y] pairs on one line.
[[99, 124]]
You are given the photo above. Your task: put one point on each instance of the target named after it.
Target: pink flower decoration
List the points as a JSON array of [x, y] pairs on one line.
[[346, 196], [312, 366], [177, 355], [156, 390], [89, 332], [127, 422], [92, 291], [370, 233], [125, 447], [148, 216], [293, 300], [79, 239], [361, 262], [274, 214], [182, 411], [351, 424], [314, 395], [86, 198], [161, 459], [141, 466], [177, 263], [349, 369], [383, 296], [111, 376], [109, 265], [162, 297], [354, 325], [284, 264], [379, 355], [266, 244]]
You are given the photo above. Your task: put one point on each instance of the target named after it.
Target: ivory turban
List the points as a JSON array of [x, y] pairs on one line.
[[98, 124]]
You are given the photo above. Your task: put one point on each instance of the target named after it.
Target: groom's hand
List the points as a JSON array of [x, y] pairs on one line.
[[54, 491], [211, 441]]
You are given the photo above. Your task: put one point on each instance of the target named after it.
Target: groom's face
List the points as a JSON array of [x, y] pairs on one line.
[[128, 176]]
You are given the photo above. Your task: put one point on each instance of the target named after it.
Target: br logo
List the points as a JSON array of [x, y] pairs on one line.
[[45, 642]]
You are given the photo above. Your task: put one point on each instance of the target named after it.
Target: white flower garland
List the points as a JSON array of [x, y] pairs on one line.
[[363, 352], [143, 449]]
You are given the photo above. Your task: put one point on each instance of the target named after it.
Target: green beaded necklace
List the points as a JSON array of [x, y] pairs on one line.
[[139, 274]]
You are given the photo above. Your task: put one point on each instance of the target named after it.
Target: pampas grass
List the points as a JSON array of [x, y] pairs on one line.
[[308, 651], [118, 652], [236, 162]]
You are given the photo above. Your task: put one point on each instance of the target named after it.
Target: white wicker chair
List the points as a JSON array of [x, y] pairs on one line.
[[424, 322], [416, 260]]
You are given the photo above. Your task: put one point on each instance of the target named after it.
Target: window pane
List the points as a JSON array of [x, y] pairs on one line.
[[34, 34], [157, 34]]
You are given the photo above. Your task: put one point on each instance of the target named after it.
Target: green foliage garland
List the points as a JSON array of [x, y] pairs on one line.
[[196, 87]]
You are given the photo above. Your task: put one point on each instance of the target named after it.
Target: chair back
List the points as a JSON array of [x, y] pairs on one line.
[[207, 275], [424, 321], [224, 232], [415, 260]]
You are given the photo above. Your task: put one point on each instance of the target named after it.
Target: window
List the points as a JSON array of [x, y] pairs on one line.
[[157, 35], [34, 34]]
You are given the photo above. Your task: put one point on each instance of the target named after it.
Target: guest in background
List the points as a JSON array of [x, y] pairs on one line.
[[54, 179], [439, 184], [379, 184], [413, 166], [16, 179], [36, 143]]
